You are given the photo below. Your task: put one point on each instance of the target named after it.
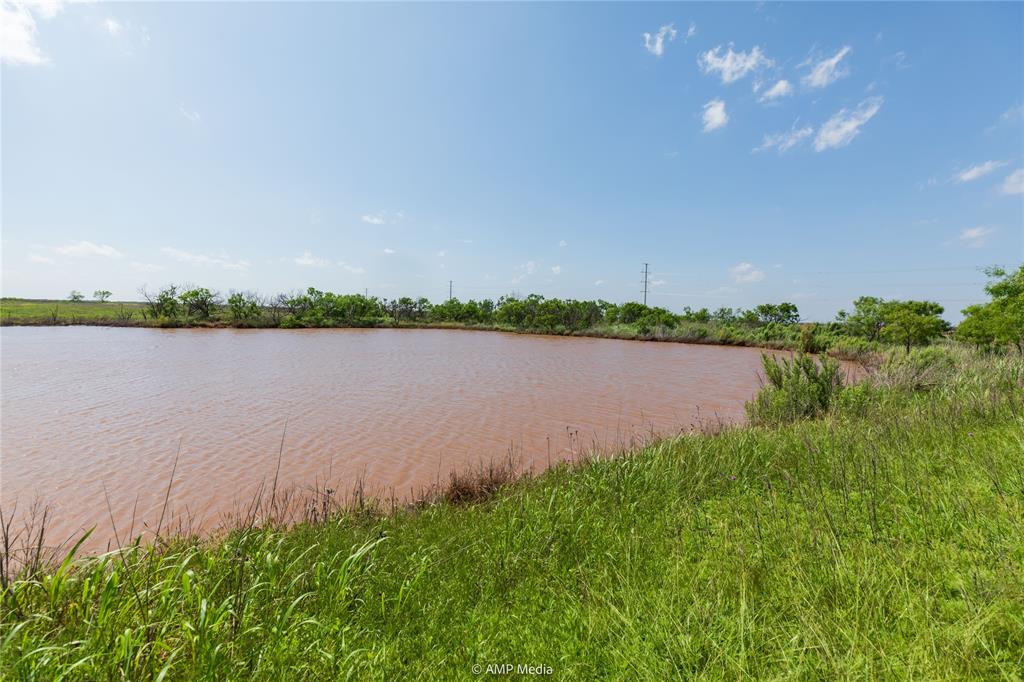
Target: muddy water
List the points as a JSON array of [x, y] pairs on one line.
[[89, 409]]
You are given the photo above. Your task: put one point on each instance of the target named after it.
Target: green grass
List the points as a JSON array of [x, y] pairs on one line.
[[882, 540], [35, 311]]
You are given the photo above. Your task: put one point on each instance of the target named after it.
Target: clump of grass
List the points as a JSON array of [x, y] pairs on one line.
[[478, 484], [797, 388]]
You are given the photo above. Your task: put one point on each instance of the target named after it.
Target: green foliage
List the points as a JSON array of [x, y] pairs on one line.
[[244, 307], [912, 323], [797, 389], [198, 302], [163, 304], [809, 340], [101, 295], [316, 308], [866, 321], [76, 296], [1000, 322], [782, 313]]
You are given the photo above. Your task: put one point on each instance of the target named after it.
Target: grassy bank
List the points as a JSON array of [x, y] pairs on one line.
[[23, 311], [884, 538]]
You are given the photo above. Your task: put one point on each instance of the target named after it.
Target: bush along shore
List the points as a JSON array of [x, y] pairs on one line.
[[871, 324], [873, 530]]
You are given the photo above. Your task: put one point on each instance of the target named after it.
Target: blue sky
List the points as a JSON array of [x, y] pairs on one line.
[[749, 153]]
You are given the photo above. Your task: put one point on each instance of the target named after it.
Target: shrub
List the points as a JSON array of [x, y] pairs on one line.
[[920, 369], [798, 388]]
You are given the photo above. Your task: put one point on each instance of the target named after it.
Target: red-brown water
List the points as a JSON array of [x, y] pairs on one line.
[[88, 409]]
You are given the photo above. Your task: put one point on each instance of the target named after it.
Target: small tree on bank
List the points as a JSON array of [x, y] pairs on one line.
[[912, 323], [76, 296], [101, 295]]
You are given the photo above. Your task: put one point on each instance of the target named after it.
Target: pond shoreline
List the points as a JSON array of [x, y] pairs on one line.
[[657, 336]]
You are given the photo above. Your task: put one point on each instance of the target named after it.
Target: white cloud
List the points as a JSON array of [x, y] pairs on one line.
[[527, 268], [190, 114], [383, 218], [19, 30], [976, 237], [782, 88], [978, 171], [223, 261], [598, 282], [113, 26], [563, 243], [655, 44], [85, 249], [784, 141], [389, 251], [732, 66], [1008, 117], [146, 267], [308, 260], [18, 33], [898, 60], [827, 71], [556, 269], [40, 260], [745, 273], [714, 115], [1014, 182], [442, 253], [691, 31], [354, 269], [845, 125]]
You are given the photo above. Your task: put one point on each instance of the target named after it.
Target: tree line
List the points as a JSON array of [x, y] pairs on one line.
[[996, 324]]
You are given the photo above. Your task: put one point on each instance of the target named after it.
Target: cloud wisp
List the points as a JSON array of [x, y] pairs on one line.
[[784, 141], [383, 217], [86, 249], [745, 273], [1014, 183], [224, 262], [715, 116], [976, 237], [978, 170], [655, 44], [782, 88], [845, 125], [308, 260], [827, 71], [732, 66]]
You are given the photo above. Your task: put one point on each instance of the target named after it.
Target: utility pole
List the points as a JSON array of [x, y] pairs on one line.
[[449, 290], [645, 283]]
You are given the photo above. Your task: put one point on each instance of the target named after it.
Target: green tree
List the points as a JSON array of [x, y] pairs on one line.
[[783, 313], [999, 322], [101, 295], [198, 302], [75, 296], [244, 307], [866, 319], [164, 303], [912, 323]]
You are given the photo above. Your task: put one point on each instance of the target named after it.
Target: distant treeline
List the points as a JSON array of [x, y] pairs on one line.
[[871, 322]]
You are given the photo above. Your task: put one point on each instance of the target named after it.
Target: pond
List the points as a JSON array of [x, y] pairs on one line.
[[95, 416]]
